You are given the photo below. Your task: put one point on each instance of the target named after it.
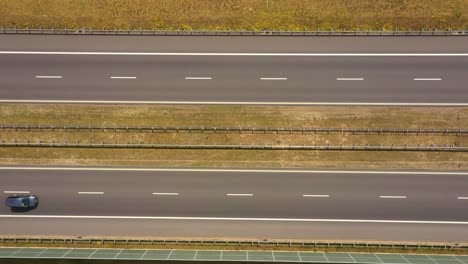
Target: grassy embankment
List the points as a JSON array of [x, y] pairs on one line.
[[234, 116], [237, 14], [409, 250]]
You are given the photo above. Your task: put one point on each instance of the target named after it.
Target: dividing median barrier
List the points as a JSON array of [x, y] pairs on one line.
[[238, 130], [153, 32], [142, 145]]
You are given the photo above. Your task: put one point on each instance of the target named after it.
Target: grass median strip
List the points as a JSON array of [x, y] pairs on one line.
[[234, 116]]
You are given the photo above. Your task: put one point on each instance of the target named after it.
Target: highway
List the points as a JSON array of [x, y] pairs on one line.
[[388, 71], [247, 204]]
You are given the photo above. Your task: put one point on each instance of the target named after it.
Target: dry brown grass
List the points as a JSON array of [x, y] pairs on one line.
[[246, 116], [234, 158], [237, 14], [234, 116], [254, 247]]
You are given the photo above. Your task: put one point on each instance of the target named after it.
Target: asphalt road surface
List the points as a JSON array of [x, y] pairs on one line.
[[179, 73], [307, 205]]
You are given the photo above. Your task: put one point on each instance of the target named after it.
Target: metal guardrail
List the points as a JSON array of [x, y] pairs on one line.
[[115, 145], [250, 243], [153, 32], [227, 130]]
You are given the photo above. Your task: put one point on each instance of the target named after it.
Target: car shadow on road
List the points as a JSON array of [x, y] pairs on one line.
[[21, 210]]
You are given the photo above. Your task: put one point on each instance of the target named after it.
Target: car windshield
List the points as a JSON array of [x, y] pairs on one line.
[[24, 201]]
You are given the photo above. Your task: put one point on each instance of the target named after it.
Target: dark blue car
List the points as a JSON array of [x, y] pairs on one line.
[[21, 201]]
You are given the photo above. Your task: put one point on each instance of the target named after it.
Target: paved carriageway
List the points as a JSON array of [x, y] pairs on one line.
[[100, 199]]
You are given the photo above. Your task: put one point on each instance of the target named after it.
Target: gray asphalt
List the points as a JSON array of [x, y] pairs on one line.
[[275, 195], [234, 44], [208, 230], [234, 79]]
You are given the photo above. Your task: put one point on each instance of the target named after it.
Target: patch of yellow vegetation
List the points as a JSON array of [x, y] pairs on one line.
[[237, 14]]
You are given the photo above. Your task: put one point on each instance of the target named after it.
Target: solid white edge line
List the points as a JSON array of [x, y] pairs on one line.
[[234, 54], [316, 195], [350, 79], [123, 77], [227, 103], [392, 197], [462, 198], [90, 192], [165, 193], [273, 79], [240, 194], [427, 79], [236, 219], [48, 77], [198, 78], [16, 192], [237, 170]]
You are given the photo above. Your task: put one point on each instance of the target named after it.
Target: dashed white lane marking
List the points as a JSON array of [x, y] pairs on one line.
[[462, 198], [223, 103], [124, 77], [236, 219], [273, 79], [48, 77], [427, 79], [198, 78], [16, 192], [238, 170], [316, 195], [392, 197], [240, 194], [237, 54], [169, 194], [350, 79], [90, 192]]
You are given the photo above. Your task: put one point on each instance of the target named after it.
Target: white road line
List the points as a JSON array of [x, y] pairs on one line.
[[226, 103], [90, 192], [350, 79], [236, 219], [16, 192], [123, 77], [48, 77], [427, 79], [392, 197], [198, 78], [462, 198], [273, 79], [165, 193], [316, 195], [240, 194], [236, 54], [237, 170]]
